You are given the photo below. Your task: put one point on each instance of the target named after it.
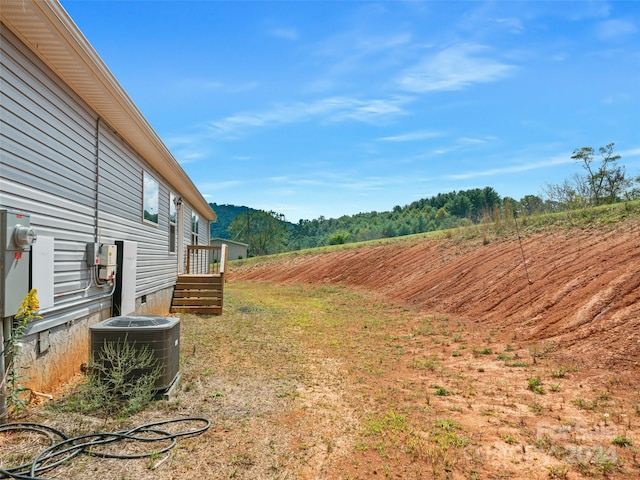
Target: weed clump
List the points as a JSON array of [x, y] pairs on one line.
[[621, 441], [442, 392], [121, 381], [535, 385]]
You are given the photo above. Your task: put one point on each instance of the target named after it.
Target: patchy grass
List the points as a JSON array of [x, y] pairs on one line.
[[303, 381]]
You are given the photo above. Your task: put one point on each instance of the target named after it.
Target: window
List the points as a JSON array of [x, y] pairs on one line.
[[194, 229], [173, 207], [150, 199]]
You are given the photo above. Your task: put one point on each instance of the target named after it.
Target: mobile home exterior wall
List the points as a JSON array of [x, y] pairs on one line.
[[82, 182]]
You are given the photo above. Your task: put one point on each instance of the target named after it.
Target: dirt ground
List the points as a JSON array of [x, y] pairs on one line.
[[445, 358], [578, 289], [566, 300]]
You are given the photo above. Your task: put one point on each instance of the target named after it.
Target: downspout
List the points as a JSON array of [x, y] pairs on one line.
[[180, 224], [96, 228]]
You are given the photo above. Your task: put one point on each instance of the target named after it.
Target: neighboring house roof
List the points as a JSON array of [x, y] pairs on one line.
[[226, 240], [46, 28]]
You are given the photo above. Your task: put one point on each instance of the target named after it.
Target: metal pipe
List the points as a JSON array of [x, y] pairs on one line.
[[80, 290], [79, 302]]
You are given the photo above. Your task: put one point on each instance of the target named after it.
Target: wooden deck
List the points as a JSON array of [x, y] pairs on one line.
[[198, 294], [201, 288]]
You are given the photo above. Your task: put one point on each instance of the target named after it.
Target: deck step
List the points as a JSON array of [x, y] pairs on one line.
[[198, 294], [198, 301], [197, 309]]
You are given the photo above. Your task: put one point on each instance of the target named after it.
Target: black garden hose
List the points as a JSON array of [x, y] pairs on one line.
[[63, 448]]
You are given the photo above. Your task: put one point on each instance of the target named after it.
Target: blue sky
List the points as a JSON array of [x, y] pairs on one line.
[[332, 108]]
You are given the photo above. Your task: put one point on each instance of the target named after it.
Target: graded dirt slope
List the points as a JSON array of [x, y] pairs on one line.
[[577, 289]]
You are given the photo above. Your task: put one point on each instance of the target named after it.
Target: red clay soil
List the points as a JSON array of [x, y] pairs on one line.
[[580, 289]]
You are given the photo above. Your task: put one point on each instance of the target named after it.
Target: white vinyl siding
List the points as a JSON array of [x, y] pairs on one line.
[[46, 158], [48, 168]]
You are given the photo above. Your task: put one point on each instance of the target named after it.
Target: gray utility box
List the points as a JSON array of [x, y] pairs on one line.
[[161, 335], [16, 237]]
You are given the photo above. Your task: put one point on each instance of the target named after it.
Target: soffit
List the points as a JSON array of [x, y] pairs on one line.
[[46, 28]]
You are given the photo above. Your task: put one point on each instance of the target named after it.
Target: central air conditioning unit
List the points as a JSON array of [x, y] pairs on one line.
[[161, 336]]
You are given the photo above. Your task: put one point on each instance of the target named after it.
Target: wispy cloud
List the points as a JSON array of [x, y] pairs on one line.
[[341, 180], [615, 29], [412, 136], [465, 141], [285, 33], [523, 167], [514, 25], [186, 157], [616, 98], [462, 143], [357, 46], [333, 109], [356, 57], [633, 152], [454, 68], [219, 186], [199, 86], [299, 182]]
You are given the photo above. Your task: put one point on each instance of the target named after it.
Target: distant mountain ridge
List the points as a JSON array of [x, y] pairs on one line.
[[226, 214]]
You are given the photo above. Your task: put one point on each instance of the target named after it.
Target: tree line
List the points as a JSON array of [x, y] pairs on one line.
[[603, 181]]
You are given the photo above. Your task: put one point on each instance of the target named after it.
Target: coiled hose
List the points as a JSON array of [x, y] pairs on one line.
[[63, 448]]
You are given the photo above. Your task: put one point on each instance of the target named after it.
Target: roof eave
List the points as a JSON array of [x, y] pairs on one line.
[[46, 28]]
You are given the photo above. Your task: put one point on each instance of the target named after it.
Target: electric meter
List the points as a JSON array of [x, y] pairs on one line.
[[16, 237], [24, 236]]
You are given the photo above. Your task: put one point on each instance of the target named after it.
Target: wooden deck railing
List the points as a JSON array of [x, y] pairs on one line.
[[206, 260], [201, 288]]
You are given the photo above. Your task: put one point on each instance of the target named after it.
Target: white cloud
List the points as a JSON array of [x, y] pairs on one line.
[[285, 33], [615, 29], [514, 25], [356, 57], [333, 109], [189, 157], [356, 46], [218, 186], [474, 141], [372, 111], [617, 98], [523, 167], [339, 181], [411, 136], [634, 152], [200, 86], [454, 68]]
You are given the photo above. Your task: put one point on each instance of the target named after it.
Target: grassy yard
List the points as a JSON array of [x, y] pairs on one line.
[[323, 382]]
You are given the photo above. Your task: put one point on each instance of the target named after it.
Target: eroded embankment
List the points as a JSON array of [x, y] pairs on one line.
[[580, 289]]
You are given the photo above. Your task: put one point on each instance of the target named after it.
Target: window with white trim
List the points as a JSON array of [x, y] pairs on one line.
[[194, 229], [150, 194]]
